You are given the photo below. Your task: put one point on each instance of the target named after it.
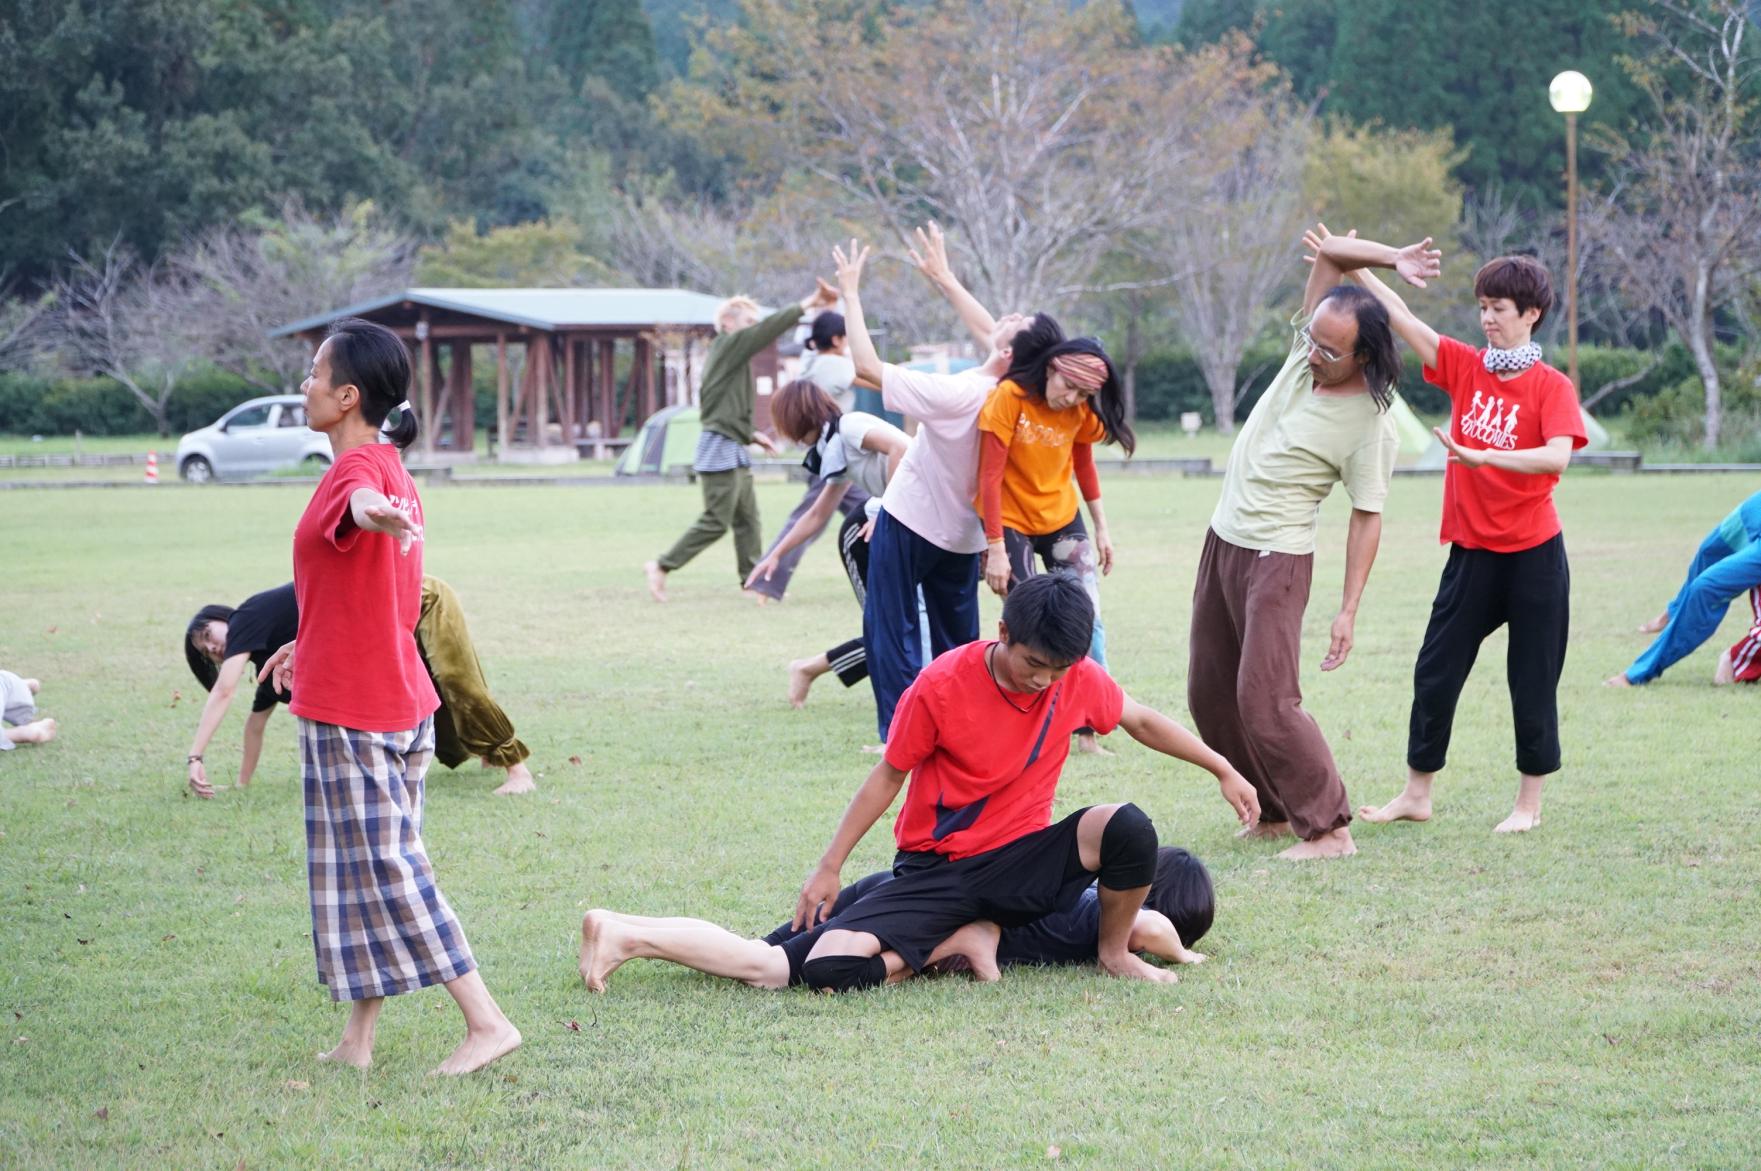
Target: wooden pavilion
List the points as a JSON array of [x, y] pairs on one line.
[[561, 389]]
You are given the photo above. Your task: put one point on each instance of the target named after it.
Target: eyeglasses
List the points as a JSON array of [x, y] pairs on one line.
[[1308, 339]]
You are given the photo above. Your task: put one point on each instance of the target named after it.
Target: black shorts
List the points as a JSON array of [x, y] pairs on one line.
[[796, 944], [930, 897]]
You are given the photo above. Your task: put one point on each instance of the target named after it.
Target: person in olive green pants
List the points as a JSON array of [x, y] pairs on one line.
[[726, 401]]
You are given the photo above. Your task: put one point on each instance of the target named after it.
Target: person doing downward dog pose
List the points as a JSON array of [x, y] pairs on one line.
[[983, 734], [1515, 423], [222, 642], [380, 926], [827, 366], [928, 538], [1176, 914], [1037, 430], [19, 722], [727, 399], [848, 453], [1322, 421], [1727, 563]]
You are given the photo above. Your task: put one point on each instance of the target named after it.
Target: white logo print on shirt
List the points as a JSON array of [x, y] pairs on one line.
[[1487, 421]]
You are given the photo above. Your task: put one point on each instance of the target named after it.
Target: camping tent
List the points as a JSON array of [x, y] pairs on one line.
[[666, 443]]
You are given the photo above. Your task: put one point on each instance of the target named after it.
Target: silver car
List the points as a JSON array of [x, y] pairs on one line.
[[263, 435]]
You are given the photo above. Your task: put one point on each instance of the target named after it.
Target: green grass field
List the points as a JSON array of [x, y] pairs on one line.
[[1587, 994]]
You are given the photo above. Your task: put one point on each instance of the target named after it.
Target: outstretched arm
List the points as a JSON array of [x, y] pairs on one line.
[[863, 355], [1155, 933], [1152, 729], [803, 530], [931, 258], [875, 796], [1416, 264], [213, 711]]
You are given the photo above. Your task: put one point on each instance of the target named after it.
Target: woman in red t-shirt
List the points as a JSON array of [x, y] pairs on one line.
[[380, 925]]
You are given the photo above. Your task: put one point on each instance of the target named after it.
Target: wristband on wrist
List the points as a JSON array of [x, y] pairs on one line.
[[193, 758]]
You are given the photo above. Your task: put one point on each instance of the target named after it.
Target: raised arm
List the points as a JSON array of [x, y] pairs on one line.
[[863, 355], [1416, 264], [1152, 729], [931, 258], [820, 890]]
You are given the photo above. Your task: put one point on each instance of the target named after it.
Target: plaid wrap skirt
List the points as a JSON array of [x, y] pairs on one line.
[[380, 926]]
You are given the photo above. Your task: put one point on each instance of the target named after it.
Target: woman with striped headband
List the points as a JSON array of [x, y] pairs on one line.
[[1037, 434]]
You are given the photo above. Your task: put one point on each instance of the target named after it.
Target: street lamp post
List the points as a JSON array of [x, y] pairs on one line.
[[1569, 94]]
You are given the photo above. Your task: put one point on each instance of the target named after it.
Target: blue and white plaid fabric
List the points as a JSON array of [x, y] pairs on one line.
[[380, 926], [718, 453]]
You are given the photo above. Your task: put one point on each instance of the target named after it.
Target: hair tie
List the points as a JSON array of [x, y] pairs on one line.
[[404, 406]]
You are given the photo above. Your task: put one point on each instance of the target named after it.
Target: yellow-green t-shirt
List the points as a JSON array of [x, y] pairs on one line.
[[1294, 447]]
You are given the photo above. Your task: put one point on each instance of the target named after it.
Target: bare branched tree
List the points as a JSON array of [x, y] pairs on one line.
[[1683, 218], [25, 325], [118, 318]]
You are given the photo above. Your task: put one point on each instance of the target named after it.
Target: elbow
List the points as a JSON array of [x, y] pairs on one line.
[[868, 369]]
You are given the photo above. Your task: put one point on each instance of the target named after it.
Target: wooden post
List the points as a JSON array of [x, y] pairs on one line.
[[539, 358], [608, 388], [503, 435], [464, 400], [425, 385], [571, 375]]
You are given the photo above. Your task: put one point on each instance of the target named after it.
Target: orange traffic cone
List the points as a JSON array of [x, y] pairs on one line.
[[152, 467]]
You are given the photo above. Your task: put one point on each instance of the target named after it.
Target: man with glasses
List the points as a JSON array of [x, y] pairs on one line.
[[1323, 421]]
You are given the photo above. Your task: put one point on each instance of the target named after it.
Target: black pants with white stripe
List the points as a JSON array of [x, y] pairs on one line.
[[850, 659]]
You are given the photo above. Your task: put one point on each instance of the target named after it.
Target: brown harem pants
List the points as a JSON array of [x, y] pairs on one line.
[[1243, 688], [469, 722]]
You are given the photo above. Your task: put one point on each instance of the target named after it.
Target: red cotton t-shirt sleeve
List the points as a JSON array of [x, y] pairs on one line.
[[914, 731], [1560, 413], [993, 457], [1454, 371], [1102, 698], [336, 517]]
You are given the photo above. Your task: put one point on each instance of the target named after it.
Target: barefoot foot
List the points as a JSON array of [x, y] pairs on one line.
[[1656, 624], [36, 732], [1334, 844], [1520, 821], [1091, 744], [1409, 806], [519, 781], [1726, 671], [604, 947], [1266, 830], [1619, 680], [800, 680], [1134, 968], [478, 1049], [356, 1053], [656, 580]]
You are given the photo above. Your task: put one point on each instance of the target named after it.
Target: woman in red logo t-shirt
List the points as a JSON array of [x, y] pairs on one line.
[[380, 925]]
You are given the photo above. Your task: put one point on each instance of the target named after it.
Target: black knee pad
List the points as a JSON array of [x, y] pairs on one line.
[[1128, 849], [849, 973]]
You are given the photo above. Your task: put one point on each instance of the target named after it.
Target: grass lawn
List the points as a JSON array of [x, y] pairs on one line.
[[1587, 994]]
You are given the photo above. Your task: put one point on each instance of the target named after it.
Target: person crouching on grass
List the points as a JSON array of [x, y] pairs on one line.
[[983, 734], [1176, 913], [380, 926], [1515, 424]]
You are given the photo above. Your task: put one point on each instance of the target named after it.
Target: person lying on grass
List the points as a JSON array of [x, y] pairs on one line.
[[983, 734], [1176, 914], [19, 723], [222, 641]]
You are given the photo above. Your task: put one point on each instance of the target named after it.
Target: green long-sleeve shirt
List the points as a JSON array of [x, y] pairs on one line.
[[729, 391]]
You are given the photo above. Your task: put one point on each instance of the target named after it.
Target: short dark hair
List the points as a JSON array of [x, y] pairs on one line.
[[1051, 613], [1375, 341], [1522, 280], [828, 327], [801, 409], [374, 359], [1040, 334], [1182, 891], [1108, 404], [200, 664]]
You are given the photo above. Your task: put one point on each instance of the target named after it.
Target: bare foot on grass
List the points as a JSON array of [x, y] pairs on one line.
[[1266, 830], [801, 677], [1520, 821], [519, 781], [1726, 671], [357, 1054], [1091, 744], [604, 948], [1133, 968], [36, 732], [1333, 844], [1409, 806], [479, 1048], [1656, 624], [1619, 680], [656, 580]]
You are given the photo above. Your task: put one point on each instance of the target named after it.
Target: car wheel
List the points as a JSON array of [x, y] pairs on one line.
[[196, 470], [314, 465]]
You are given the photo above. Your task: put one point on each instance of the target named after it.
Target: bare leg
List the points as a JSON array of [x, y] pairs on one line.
[[519, 781], [656, 580], [36, 732], [609, 939], [1656, 624], [1266, 830], [1335, 843], [488, 1033], [1413, 804], [1527, 814], [356, 1046], [1119, 908], [1091, 744], [1726, 671], [802, 673]]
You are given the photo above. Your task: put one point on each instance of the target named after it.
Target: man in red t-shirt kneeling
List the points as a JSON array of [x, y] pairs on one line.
[[983, 734]]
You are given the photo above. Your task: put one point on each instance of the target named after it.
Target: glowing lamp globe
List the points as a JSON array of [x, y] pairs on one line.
[[1570, 92]]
